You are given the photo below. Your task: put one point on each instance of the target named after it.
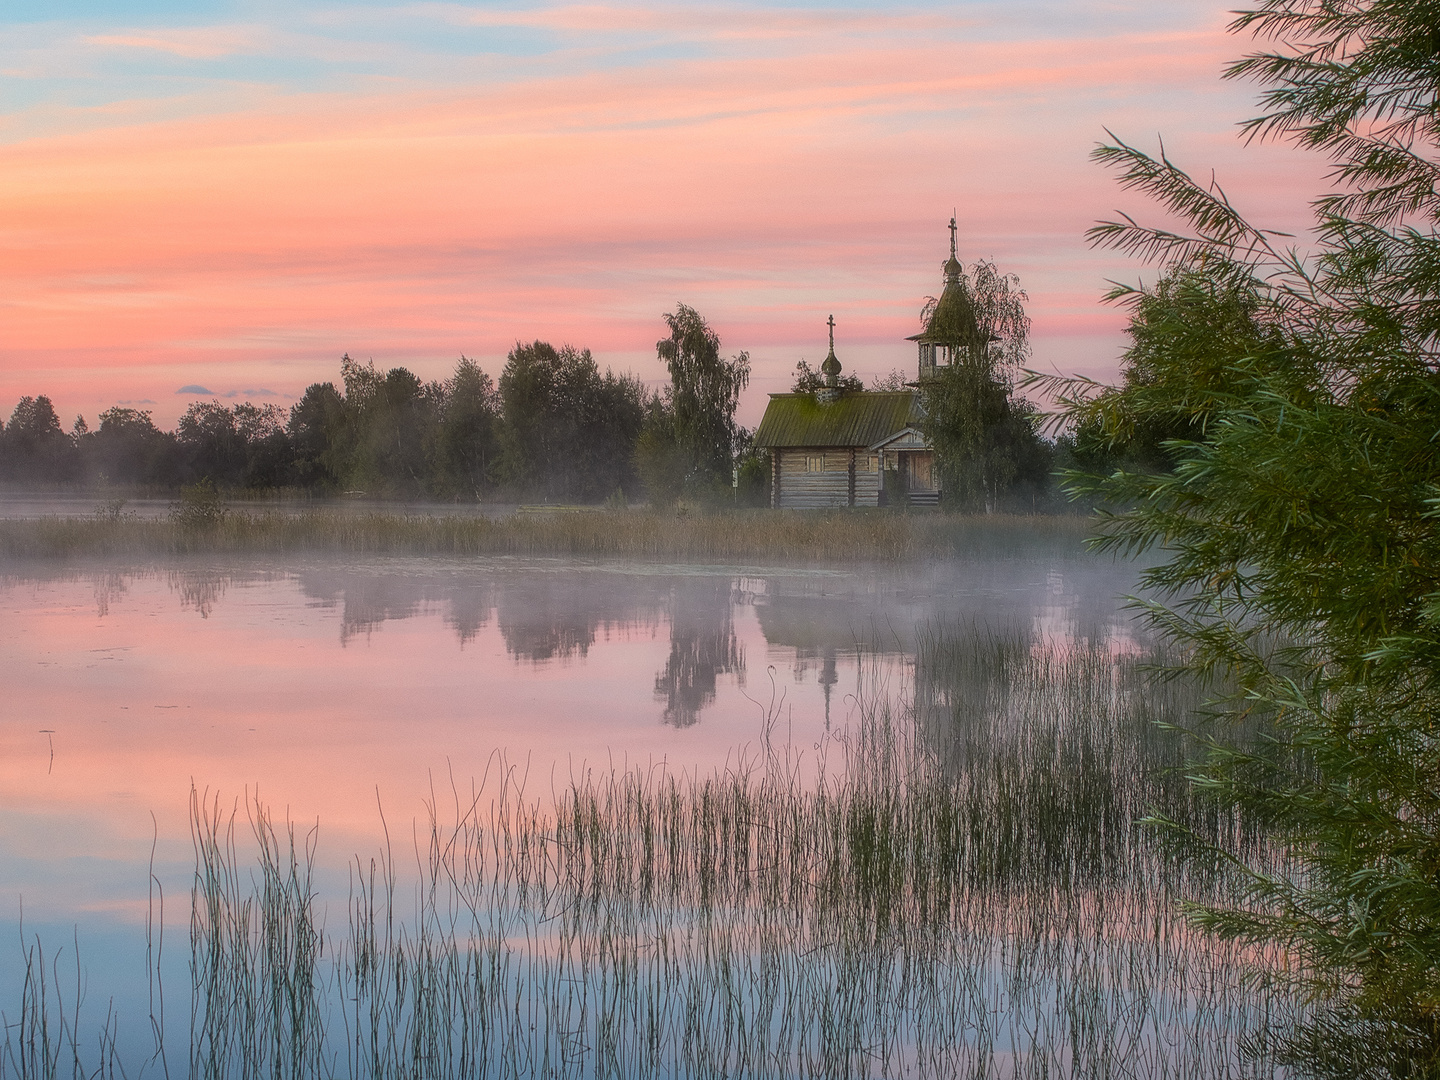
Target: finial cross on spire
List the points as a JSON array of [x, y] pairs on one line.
[[831, 322], [952, 236]]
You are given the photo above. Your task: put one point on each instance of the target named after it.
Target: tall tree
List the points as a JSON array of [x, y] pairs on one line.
[[36, 448], [703, 395], [568, 432], [242, 446], [384, 444], [317, 430], [987, 441], [1295, 521], [128, 448], [468, 437]]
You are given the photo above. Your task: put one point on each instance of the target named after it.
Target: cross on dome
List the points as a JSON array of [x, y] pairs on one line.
[[831, 367]]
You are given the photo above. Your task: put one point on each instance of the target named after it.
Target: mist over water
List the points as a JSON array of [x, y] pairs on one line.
[[351, 694]]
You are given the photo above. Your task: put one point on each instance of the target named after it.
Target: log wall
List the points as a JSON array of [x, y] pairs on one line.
[[812, 479]]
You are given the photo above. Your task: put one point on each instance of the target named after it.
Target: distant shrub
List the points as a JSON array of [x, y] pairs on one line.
[[200, 506], [752, 481]]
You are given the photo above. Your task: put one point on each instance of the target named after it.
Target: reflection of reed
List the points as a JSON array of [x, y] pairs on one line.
[[109, 586], [703, 646], [199, 589]]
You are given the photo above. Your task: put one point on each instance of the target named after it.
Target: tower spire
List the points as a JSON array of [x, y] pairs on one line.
[[831, 367], [953, 269]]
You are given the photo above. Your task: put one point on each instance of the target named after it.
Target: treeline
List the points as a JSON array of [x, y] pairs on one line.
[[553, 428]]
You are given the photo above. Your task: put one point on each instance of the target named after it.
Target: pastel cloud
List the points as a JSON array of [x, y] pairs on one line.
[[192, 43], [793, 164]]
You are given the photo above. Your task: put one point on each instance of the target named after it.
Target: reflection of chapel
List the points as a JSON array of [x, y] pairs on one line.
[[834, 447]]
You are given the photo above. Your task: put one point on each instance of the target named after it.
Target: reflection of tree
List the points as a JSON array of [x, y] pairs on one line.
[[559, 616], [541, 616], [469, 611], [558, 628], [366, 600], [703, 646]]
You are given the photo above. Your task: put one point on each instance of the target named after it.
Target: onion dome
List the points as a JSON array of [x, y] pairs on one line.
[[951, 319], [831, 367]]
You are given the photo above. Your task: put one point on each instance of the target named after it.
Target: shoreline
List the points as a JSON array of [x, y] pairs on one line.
[[801, 536]]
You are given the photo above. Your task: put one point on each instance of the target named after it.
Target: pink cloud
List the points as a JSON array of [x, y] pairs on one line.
[[412, 225]]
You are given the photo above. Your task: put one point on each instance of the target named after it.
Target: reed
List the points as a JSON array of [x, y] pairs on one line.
[[956, 883], [718, 537], [955, 893], [43, 1036]]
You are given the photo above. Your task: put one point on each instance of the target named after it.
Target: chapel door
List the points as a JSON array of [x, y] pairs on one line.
[[920, 472]]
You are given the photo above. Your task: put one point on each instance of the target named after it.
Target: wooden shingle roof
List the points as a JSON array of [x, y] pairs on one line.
[[859, 418]]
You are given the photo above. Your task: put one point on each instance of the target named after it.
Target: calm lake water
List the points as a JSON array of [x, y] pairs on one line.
[[341, 692]]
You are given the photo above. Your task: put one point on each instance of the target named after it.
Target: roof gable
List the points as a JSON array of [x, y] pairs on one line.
[[910, 438], [861, 418]]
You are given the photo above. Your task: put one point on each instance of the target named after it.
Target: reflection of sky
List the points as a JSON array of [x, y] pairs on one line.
[[325, 687]]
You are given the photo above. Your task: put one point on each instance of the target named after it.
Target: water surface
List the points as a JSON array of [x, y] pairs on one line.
[[349, 693]]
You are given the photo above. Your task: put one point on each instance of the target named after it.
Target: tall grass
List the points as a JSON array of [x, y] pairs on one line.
[[727, 536], [255, 947], [43, 1036], [952, 891]]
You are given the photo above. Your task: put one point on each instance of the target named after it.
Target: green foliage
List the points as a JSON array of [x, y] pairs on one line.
[[200, 507], [129, 449], [469, 430], [808, 380], [1294, 405], [1186, 333], [242, 446], [33, 422], [982, 313], [33, 445], [890, 382], [315, 425], [897, 496], [752, 479], [555, 429], [703, 394], [568, 432], [390, 424], [987, 442], [660, 460]]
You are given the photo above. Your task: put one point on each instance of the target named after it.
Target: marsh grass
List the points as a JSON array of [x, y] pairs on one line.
[[255, 947], [721, 536], [952, 885], [43, 1038]]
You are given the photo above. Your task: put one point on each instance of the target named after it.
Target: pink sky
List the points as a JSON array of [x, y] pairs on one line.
[[229, 202]]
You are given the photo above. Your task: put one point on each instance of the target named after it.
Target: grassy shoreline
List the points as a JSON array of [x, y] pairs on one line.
[[792, 536]]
